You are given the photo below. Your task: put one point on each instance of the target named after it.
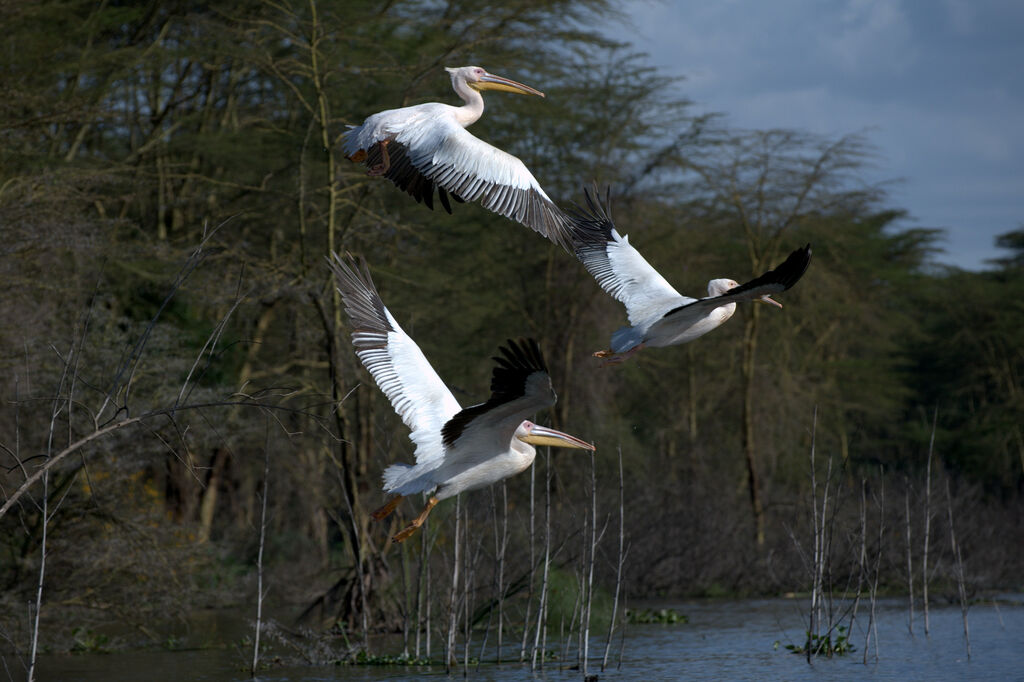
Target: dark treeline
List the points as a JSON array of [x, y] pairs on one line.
[[171, 183]]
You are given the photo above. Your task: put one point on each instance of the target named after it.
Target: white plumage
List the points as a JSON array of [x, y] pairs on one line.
[[456, 449], [426, 147], [658, 314]]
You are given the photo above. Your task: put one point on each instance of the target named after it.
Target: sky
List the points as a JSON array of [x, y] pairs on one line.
[[937, 87]]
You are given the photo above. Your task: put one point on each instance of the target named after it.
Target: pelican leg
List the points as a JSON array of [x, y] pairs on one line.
[[386, 510], [404, 534], [385, 160], [357, 157]]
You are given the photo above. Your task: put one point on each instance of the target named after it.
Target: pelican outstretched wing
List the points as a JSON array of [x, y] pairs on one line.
[[395, 361], [784, 276], [434, 151], [616, 265], [520, 386]]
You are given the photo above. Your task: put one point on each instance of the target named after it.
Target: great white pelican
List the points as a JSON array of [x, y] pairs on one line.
[[658, 314], [425, 147], [456, 449]]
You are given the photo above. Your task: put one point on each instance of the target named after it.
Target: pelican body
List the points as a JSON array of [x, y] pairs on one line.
[[457, 449], [658, 314], [426, 147]]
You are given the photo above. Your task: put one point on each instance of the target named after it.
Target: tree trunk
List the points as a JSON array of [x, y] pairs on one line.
[[208, 501], [749, 449]]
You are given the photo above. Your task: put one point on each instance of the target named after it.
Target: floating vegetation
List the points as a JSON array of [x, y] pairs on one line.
[[659, 616], [88, 642], [824, 645], [363, 658]]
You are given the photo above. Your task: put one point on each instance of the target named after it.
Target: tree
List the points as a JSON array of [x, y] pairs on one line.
[[763, 185]]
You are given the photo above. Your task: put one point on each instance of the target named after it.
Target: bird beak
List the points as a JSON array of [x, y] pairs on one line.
[[767, 299], [541, 435], [492, 82]]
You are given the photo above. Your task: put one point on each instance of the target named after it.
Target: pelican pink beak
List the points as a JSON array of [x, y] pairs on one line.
[[541, 435], [489, 81], [768, 299]]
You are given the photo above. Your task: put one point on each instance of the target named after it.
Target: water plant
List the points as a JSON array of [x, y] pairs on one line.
[[824, 644], [363, 658], [659, 616], [86, 641]]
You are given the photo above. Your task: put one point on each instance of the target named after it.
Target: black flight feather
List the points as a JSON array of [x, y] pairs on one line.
[[362, 302], [783, 277], [519, 360]]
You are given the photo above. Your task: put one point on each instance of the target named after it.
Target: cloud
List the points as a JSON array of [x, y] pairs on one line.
[[937, 87], [872, 35], [960, 15]]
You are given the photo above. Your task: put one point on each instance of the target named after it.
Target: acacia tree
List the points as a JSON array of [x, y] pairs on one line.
[[971, 365], [162, 120], [761, 185]]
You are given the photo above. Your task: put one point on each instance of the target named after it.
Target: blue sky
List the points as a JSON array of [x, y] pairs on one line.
[[937, 87]]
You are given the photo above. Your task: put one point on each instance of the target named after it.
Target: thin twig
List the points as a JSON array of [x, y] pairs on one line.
[[910, 563], [358, 556], [533, 565], [453, 613], [618, 568], [927, 521], [593, 552], [58, 407], [259, 554], [542, 606], [958, 564]]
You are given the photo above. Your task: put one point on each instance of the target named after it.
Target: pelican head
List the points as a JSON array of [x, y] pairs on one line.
[[478, 79], [534, 434], [717, 287]]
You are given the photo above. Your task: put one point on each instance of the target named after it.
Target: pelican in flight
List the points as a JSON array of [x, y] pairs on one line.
[[456, 449], [426, 146], [658, 314]]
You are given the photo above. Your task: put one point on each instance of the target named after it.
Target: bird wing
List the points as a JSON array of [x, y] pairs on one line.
[[774, 281], [617, 266], [436, 151], [395, 361], [520, 386]]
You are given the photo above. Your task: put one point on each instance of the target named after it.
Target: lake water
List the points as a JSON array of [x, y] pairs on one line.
[[724, 640]]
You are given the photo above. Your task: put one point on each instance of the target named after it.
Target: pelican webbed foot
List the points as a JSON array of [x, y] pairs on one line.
[[385, 160], [404, 534], [386, 510], [613, 358]]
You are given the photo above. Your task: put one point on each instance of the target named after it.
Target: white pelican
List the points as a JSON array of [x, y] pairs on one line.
[[426, 146], [658, 314], [456, 449]]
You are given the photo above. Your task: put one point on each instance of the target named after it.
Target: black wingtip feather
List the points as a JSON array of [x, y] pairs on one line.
[[405, 176], [785, 274], [520, 359], [592, 226], [517, 362], [359, 294]]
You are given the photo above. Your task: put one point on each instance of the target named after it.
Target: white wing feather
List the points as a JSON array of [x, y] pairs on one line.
[[618, 267], [396, 363], [630, 278], [452, 158], [415, 390], [456, 159]]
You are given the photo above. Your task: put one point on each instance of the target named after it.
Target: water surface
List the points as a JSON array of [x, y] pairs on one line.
[[724, 640]]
